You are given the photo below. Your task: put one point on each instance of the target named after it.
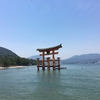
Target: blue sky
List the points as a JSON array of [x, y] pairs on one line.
[[26, 25]]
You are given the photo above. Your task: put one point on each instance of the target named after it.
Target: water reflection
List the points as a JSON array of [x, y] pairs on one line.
[[48, 85]]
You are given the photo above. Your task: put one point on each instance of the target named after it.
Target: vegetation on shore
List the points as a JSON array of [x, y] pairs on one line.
[[16, 61]]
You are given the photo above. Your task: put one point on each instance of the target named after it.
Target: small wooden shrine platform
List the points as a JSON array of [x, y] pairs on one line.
[[54, 63]]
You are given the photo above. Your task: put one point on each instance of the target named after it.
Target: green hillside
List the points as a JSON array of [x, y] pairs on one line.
[[9, 58], [5, 52]]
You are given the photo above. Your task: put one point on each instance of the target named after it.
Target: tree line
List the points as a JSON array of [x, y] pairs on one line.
[[16, 61]]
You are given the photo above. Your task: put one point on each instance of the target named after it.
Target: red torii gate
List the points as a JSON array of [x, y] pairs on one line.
[[49, 51]]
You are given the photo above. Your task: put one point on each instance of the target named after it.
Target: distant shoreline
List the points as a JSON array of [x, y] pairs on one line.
[[11, 67]]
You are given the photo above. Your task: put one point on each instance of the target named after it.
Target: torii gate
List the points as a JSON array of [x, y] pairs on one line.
[[49, 51]]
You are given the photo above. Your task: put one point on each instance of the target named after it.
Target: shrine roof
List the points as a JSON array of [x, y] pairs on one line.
[[50, 48]]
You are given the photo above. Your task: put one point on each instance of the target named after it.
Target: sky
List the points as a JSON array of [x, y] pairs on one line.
[[26, 25]]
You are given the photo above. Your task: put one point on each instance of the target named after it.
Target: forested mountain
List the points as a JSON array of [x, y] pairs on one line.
[[6, 52], [9, 58]]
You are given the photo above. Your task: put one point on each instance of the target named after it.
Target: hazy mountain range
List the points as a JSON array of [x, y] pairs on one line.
[[84, 58], [35, 57]]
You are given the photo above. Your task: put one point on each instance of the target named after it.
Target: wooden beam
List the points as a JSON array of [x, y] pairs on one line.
[[50, 48], [49, 54], [46, 60]]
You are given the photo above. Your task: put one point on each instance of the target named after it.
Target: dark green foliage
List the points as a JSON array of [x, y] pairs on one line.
[[8, 58], [16, 61]]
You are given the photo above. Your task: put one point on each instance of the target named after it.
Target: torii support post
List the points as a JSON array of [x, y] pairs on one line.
[[48, 61], [59, 63], [38, 63], [43, 65], [53, 59]]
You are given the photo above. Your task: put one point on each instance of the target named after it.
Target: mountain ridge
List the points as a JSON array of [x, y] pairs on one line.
[[84, 58], [6, 52]]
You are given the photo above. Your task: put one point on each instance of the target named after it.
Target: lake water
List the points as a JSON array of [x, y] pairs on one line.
[[77, 82]]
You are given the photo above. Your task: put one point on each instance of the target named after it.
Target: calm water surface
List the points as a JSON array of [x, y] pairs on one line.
[[77, 82]]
